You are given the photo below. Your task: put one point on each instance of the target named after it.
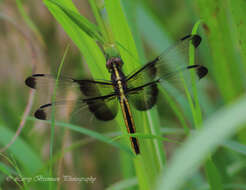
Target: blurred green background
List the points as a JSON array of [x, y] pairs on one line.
[[30, 35]]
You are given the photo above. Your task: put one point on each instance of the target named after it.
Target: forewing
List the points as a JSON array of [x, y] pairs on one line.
[[87, 88], [169, 65]]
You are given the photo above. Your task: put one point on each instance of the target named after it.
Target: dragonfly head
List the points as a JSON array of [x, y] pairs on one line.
[[114, 62]]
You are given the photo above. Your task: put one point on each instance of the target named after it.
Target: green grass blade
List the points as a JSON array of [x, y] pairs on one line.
[[213, 175], [215, 21], [122, 34], [149, 25], [85, 25], [100, 21], [92, 134], [124, 184], [29, 22], [52, 128], [145, 136], [215, 130], [198, 113], [238, 13], [88, 47], [6, 169], [235, 146], [124, 41], [235, 186], [30, 162], [150, 151]]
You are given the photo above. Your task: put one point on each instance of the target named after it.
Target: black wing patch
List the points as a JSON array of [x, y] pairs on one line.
[[104, 108], [144, 97]]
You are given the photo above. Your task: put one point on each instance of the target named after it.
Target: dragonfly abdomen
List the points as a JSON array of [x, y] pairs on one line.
[[120, 86]]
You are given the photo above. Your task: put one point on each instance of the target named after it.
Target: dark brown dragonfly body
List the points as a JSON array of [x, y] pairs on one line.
[[139, 89], [119, 81]]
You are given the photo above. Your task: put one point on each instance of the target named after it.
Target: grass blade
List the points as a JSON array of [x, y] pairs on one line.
[[89, 28], [92, 134], [30, 162], [215, 130], [88, 47], [52, 128]]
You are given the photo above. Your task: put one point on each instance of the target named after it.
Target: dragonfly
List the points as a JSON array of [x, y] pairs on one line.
[[139, 89]]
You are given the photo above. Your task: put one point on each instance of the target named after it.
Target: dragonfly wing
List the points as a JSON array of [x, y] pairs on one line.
[[103, 108], [87, 88], [143, 97], [174, 60], [169, 64]]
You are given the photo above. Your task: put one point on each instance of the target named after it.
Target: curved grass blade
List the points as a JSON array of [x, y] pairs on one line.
[[146, 136], [215, 130], [92, 134]]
